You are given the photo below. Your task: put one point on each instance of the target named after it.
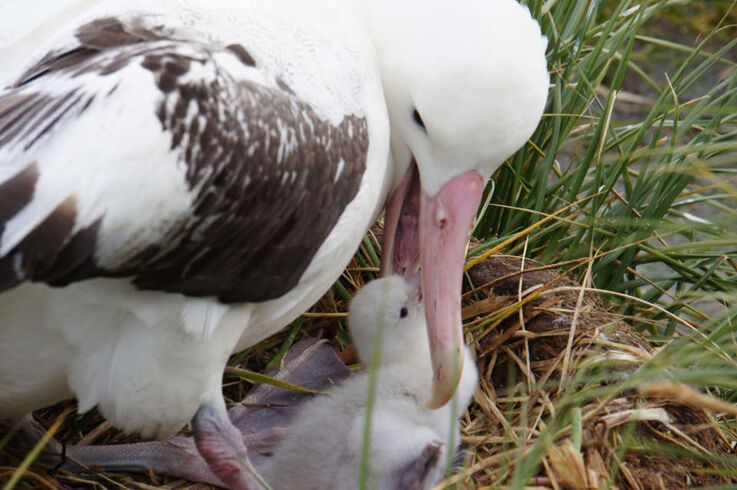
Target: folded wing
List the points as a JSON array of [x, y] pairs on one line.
[[182, 165]]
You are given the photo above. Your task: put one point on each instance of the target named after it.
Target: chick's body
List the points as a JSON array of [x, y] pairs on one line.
[[409, 444]]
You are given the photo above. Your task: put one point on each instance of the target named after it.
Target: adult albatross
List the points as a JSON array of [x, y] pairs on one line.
[[180, 179]]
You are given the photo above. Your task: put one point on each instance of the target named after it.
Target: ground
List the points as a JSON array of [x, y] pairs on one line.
[[527, 325]]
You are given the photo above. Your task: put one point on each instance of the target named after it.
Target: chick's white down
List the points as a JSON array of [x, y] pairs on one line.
[[323, 448]]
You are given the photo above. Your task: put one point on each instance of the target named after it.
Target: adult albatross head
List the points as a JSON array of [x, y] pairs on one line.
[[465, 84]]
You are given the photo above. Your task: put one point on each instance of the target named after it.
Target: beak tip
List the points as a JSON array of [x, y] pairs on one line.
[[436, 402], [444, 387]]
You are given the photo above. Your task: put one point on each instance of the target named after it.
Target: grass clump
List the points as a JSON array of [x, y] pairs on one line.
[[633, 195]]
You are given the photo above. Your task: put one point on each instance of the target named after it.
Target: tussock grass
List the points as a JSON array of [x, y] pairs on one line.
[[611, 358], [633, 193]]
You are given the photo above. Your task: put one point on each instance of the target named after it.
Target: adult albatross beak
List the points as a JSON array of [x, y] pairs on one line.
[[442, 230], [446, 221]]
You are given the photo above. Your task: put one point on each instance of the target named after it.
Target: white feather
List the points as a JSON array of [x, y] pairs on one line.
[[149, 359], [140, 356], [202, 316]]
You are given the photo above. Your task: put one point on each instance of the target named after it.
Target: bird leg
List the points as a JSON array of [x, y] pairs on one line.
[[269, 410], [261, 421], [221, 444], [177, 456]]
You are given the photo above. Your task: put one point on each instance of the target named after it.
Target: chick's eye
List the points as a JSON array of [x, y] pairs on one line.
[[418, 120], [403, 312]]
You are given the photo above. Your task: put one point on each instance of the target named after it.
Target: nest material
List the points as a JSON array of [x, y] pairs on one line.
[[630, 441], [520, 317]]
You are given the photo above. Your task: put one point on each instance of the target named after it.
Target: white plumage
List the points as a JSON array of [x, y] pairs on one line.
[[189, 176], [148, 359], [323, 448]]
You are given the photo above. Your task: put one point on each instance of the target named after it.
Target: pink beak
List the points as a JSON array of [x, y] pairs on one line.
[[445, 223]]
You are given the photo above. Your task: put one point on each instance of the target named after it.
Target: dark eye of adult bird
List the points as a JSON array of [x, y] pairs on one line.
[[418, 120], [403, 312], [180, 180]]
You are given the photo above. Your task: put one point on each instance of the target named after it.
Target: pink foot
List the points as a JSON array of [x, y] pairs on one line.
[[222, 446]]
